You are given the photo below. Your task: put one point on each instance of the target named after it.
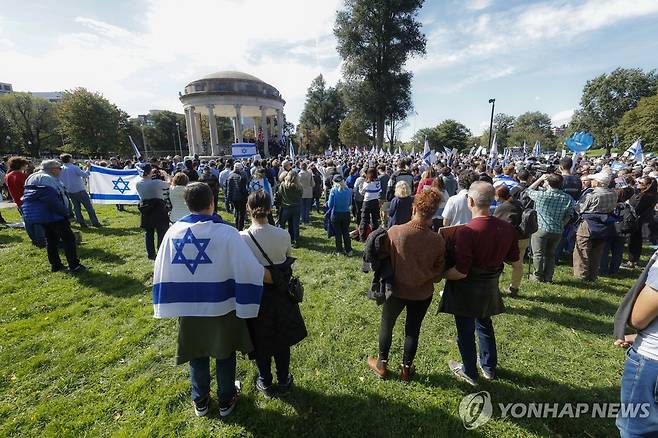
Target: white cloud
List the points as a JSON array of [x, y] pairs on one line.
[[562, 117], [477, 5], [145, 69], [484, 75]]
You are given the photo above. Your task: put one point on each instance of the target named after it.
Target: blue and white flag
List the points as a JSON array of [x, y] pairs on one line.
[[525, 149], [536, 150], [243, 150], [113, 186], [138, 155], [292, 151], [204, 268], [635, 151], [427, 153], [493, 152]]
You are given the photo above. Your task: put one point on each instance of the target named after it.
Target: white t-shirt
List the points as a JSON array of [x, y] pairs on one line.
[[274, 241], [456, 211], [646, 342]]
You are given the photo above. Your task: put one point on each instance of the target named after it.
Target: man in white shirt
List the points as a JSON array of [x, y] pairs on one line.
[[456, 211]]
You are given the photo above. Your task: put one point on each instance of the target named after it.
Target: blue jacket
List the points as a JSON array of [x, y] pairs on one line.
[[43, 204], [340, 201]]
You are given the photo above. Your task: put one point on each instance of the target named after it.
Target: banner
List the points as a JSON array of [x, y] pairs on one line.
[[113, 186], [243, 150]]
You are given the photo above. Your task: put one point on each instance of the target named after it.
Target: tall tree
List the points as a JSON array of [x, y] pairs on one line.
[[162, 133], [324, 109], [353, 131], [530, 127], [33, 119], [641, 122], [607, 97], [375, 40], [449, 134], [90, 123], [502, 126]]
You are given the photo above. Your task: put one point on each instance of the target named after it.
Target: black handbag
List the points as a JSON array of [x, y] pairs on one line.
[[295, 287]]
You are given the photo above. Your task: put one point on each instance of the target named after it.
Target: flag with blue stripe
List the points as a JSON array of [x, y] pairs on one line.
[[204, 268], [243, 150], [113, 186], [426, 153]]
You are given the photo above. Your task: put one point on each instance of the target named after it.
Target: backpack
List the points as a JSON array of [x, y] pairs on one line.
[[625, 219], [529, 224]]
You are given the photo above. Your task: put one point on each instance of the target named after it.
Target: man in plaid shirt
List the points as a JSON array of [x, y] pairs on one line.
[[602, 201], [553, 207]]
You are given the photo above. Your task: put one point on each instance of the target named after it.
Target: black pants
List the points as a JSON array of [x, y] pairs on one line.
[[635, 244], [391, 309], [56, 232], [240, 214], [357, 207], [149, 240], [369, 215], [341, 224], [264, 364]]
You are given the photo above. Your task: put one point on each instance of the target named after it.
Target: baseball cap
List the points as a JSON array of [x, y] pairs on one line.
[[337, 178]]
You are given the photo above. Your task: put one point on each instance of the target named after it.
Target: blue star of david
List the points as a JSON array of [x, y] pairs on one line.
[[200, 244], [116, 183], [244, 150]]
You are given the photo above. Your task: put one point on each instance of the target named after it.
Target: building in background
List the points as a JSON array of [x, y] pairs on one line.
[[50, 96], [5, 88]]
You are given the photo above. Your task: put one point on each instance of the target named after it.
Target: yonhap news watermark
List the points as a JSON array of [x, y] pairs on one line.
[[477, 409]]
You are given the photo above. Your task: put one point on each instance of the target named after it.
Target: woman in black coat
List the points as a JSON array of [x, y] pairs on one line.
[[644, 202], [279, 324]]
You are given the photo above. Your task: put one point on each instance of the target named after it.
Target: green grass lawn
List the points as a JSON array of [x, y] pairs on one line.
[[84, 356]]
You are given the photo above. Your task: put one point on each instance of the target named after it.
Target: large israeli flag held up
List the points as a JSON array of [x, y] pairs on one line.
[[243, 150], [113, 186]]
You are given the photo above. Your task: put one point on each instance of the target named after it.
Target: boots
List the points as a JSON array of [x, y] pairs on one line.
[[406, 371], [377, 366]]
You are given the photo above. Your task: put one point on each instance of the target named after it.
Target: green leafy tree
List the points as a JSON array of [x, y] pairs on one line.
[[7, 133], [375, 40], [353, 131], [531, 127], [162, 134], [448, 134], [607, 97], [90, 123], [641, 122], [32, 119], [324, 109], [502, 126]]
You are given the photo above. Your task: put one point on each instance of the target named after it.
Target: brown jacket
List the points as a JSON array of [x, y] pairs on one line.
[[418, 257]]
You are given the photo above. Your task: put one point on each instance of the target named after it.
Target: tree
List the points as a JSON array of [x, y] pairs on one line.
[[353, 131], [375, 40], [641, 122], [606, 98], [162, 133], [324, 109], [90, 123], [7, 133], [449, 134], [32, 119], [502, 126], [531, 127]]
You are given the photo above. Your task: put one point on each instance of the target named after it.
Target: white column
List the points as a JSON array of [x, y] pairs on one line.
[[263, 124], [188, 130], [193, 131], [279, 123], [197, 135], [238, 123], [212, 126]]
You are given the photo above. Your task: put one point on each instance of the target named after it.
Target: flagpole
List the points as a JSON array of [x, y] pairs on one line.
[[493, 104]]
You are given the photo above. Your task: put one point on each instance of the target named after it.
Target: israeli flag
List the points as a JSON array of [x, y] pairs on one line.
[[292, 151], [493, 153], [138, 155], [427, 153], [536, 150], [113, 186], [205, 268], [243, 150], [635, 151]]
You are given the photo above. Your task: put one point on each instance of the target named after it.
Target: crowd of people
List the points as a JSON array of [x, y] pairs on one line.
[[458, 219]]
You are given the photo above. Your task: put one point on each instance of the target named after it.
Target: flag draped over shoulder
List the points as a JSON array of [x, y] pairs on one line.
[[204, 268], [113, 186]]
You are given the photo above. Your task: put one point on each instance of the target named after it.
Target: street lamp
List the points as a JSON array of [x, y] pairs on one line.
[[493, 104], [180, 144]]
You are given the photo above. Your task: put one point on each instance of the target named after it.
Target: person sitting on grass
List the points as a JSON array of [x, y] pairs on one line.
[[417, 255], [208, 278]]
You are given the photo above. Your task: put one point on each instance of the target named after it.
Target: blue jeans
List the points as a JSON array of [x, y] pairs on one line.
[[639, 384], [613, 254], [567, 242], [264, 364], [290, 216], [466, 328], [307, 203], [225, 374], [82, 198]]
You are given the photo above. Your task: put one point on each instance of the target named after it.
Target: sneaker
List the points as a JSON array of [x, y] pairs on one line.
[[78, 269], [513, 291], [349, 253], [202, 406], [226, 408], [57, 268], [486, 374], [338, 253], [266, 390], [406, 372], [284, 388], [295, 245], [458, 370], [377, 366]]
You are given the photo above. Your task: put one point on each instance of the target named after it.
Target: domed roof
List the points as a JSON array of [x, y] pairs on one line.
[[230, 74]]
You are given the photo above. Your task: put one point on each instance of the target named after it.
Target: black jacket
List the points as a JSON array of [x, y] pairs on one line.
[[626, 306], [381, 287], [154, 213], [237, 187]]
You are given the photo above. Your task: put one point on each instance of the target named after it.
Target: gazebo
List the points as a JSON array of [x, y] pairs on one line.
[[241, 97]]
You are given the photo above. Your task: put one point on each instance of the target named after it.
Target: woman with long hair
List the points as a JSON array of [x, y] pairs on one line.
[[177, 197], [290, 196], [417, 256], [426, 180], [370, 190], [400, 209], [644, 202]]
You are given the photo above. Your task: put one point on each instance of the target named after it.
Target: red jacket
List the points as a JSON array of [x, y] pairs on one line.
[[15, 181]]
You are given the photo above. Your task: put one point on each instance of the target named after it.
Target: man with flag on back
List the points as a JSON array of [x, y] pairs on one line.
[[207, 277]]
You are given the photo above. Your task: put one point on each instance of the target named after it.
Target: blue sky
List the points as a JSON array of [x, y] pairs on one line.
[[529, 55]]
